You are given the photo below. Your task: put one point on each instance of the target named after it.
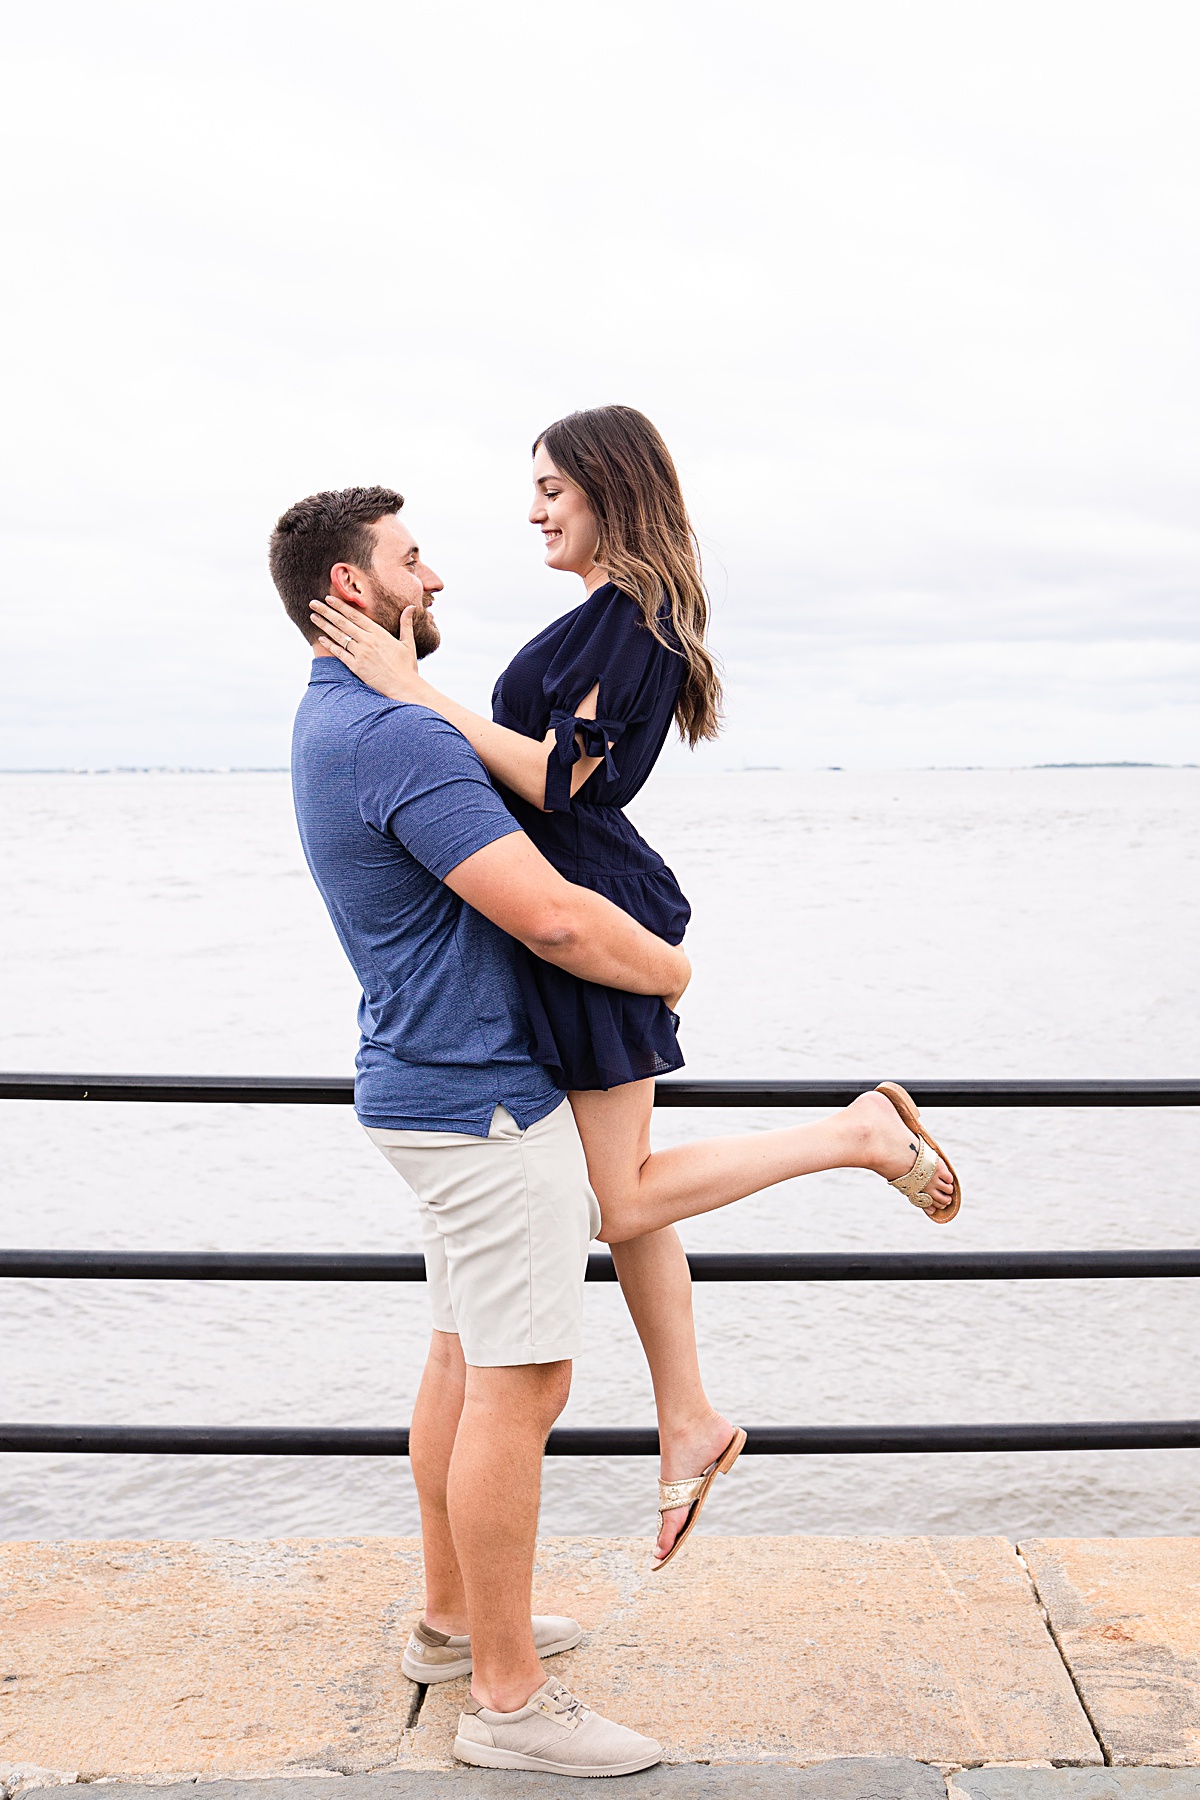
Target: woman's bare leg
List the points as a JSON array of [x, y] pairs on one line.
[[641, 1192], [657, 1287]]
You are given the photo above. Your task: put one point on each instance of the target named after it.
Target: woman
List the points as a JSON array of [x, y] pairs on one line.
[[579, 718]]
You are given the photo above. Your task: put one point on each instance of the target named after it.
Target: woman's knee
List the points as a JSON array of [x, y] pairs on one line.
[[618, 1203], [618, 1224]]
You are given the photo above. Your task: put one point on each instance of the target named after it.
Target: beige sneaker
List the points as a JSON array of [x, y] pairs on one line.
[[555, 1734], [434, 1656]]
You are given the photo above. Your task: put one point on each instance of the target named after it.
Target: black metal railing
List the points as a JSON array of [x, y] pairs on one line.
[[309, 1090], [783, 1440]]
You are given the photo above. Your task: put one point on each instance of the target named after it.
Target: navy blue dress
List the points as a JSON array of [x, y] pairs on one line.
[[589, 1036]]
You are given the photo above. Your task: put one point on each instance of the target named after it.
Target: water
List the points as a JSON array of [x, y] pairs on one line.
[[1032, 923]]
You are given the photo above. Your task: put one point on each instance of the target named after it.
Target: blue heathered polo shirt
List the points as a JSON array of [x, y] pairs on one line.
[[389, 799]]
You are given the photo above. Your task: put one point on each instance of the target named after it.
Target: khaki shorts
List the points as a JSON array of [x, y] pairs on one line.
[[505, 1221]]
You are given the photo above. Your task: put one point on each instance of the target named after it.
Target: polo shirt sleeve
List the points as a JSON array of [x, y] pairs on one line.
[[419, 781]]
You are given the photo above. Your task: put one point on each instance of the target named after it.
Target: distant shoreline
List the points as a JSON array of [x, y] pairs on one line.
[[746, 769]]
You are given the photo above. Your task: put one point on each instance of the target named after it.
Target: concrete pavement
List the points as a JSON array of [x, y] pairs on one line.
[[826, 1668]]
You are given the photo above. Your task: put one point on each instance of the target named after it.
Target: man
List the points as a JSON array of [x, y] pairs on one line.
[[424, 873]]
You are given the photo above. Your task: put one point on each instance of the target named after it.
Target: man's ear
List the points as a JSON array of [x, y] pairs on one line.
[[345, 581]]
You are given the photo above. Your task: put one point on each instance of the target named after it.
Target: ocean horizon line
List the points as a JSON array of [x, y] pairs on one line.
[[688, 775]]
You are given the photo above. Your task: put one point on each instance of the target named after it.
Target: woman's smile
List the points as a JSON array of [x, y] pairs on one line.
[[561, 513]]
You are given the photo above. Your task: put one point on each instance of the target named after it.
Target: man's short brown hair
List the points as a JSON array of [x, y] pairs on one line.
[[318, 532]]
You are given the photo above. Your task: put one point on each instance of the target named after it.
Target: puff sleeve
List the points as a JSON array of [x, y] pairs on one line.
[[637, 675]]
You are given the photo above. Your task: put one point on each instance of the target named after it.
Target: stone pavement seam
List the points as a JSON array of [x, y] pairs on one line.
[[420, 1689], [1066, 1661], [1126, 1611]]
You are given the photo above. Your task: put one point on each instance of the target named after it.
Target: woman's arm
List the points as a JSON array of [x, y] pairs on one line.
[[389, 665]]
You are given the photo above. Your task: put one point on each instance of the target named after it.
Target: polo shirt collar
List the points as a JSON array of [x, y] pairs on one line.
[[329, 669]]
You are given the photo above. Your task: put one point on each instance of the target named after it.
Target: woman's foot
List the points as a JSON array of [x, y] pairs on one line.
[[890, 1148], [687, 1451]]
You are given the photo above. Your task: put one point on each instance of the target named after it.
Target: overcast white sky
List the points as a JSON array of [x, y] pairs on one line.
[[911, 290]]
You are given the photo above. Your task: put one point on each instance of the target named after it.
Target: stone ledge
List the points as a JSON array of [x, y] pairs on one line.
[[1073, 1784], [850, 1779], [774, 1661]]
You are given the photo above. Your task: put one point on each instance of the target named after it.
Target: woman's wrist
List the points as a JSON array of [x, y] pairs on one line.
[[410, 689]]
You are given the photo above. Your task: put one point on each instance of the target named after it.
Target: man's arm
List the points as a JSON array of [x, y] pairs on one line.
[[511, 883]]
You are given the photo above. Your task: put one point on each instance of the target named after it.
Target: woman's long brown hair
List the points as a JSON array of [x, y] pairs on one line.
[[646, 544]]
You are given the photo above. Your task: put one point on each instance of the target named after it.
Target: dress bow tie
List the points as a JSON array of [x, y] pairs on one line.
[[597, 737]]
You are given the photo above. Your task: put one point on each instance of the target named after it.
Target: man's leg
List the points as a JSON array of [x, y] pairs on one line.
[[494, 1490], [507, 1219], [430, 1446]]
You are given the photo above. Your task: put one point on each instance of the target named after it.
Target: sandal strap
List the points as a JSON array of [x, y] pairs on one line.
[[913, 1185], [680, 1493]]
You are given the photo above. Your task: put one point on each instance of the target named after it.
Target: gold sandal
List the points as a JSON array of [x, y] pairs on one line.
[[914, 1185], [692, 1493]]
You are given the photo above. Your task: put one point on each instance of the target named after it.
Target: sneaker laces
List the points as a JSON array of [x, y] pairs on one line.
[[566, 1702]]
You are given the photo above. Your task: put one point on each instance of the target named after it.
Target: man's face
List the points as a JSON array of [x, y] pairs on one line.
[[398, 578]]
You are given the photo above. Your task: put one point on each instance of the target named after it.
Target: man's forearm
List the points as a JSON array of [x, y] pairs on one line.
[[598, 942], [512, 884]]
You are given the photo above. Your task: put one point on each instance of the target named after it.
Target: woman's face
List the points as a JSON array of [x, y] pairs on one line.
[[562, 514]]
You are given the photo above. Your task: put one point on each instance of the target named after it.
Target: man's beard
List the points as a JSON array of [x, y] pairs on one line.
[[426, 634], [390, 607]]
